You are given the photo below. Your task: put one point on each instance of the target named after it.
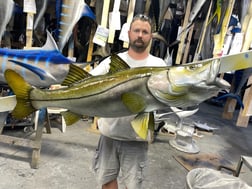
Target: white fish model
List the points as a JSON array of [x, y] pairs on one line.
[[71, 12], [6, 11]]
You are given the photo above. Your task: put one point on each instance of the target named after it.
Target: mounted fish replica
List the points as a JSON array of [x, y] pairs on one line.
[[6, 11], [70, 13], [124, 91], [41, 6], [45, 66], [41, 67]]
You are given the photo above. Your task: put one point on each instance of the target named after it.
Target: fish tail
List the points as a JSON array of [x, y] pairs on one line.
[[22, 91]]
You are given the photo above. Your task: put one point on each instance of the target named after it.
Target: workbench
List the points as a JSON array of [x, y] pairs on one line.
[[29, 143]]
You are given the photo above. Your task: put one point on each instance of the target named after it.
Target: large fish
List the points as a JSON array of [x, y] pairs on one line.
[[71, 12], [194, 12], [6, 11], [40, 67], [125, 91], [41, 6]]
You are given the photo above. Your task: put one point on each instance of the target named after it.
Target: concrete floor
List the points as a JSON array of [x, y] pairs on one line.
[[66, 158]]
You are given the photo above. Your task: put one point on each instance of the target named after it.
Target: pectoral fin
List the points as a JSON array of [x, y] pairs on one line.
[[142, 123], [134, 102]]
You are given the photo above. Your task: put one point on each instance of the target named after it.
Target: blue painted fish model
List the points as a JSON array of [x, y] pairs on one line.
[[44, 66], [40, 67]]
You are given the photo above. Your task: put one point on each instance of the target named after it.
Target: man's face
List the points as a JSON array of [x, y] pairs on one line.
[[139, 35]]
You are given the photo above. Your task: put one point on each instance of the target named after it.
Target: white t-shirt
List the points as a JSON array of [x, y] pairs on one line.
[[120, 128]]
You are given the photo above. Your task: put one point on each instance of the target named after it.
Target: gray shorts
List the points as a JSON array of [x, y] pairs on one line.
[[129, 158]]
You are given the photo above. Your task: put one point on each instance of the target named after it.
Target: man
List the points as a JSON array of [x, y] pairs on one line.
[[120, 150]]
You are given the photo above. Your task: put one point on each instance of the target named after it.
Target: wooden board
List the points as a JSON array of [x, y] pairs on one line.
[[202, 35], [219, 38], [230, 104], [213, 161], [112, 30], [244, 114], [35, 143], [131, 10], [187, 45], [29, 32], [184, 34], [90, 47], [104, 22], [105, 12]]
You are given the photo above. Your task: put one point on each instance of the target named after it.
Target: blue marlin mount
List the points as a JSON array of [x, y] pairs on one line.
[[41, 67]]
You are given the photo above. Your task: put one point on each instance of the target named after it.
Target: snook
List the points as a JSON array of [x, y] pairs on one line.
[[122, 91]]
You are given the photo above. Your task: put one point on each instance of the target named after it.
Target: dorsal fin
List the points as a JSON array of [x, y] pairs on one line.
[[50, 43], [117, 64], [75, 74]]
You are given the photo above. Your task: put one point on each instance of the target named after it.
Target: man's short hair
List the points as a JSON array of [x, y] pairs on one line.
[[141, 17]]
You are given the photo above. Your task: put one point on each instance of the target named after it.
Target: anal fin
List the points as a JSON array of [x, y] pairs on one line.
[[142, 123], [70, 118]]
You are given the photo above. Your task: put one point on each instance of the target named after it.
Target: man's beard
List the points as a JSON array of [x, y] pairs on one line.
[[139, 45]]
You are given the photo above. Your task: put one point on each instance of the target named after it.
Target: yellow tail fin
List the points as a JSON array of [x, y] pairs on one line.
[[21, 89]]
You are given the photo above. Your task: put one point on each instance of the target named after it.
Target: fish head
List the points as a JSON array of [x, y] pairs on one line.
[[186, 85]]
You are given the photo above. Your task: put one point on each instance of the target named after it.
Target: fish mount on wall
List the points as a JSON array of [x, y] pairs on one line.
[[124, 91], [6, 11], [44, 66], [41, 67], [70, 13]]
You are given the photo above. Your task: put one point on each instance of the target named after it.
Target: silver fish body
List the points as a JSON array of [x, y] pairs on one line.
[[128, 92], [121, 94], [124, 91]]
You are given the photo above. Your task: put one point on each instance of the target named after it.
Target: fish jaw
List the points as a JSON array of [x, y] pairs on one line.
[[185, 86]]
